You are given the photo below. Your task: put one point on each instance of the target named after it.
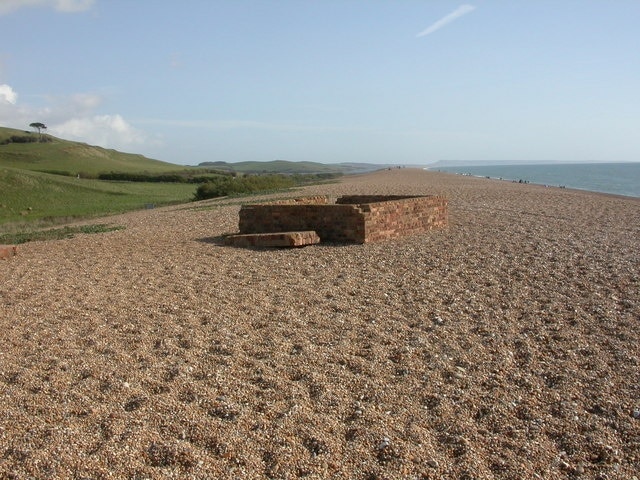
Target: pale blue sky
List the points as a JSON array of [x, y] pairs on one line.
[[394, 81]]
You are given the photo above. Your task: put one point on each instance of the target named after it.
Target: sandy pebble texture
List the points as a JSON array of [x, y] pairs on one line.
[[503, 347]]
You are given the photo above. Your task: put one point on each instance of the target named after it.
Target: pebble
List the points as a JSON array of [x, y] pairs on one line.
[[259, 303], [384, 443]]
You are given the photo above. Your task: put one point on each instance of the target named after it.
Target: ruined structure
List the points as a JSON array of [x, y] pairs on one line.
[[352, 219]]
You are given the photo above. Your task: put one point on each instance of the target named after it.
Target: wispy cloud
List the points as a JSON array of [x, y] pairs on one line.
[[67, 6], [175, 61], [220, 124], [247, 125], [457, 13], [71, 6]]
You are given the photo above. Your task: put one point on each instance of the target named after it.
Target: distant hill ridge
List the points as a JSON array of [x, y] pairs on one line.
[[290, 167], [56, 155]]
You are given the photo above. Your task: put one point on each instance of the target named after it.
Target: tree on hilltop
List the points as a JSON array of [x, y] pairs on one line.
[[39, 127]]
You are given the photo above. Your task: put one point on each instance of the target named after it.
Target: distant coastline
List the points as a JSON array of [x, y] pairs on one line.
[[612, 178], [493, 163]]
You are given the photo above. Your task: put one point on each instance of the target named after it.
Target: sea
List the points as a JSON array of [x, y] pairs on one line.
[[616, 178]]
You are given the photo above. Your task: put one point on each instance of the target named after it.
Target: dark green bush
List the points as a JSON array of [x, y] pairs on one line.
[[19, 139], [23, 139], [185, 177], [139, 177], [225, 186]]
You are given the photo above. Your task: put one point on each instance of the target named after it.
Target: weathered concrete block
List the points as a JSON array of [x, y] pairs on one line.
[[279, 239]]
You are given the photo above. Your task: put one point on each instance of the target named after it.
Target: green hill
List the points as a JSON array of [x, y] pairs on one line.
[[19, 150]]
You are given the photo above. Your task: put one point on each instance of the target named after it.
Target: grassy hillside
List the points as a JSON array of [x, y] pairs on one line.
[[37, 198], [71, 158], [46, 180]]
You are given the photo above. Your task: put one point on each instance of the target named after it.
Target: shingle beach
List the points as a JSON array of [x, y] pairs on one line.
[[506, 346]]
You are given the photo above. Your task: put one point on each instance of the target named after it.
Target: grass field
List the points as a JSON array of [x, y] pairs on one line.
[[39, 198]]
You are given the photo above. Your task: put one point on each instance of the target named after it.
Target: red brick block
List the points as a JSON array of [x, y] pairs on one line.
[[279, 239], [7, 251]]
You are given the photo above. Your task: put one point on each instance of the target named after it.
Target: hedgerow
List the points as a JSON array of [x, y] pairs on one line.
[[224, 186]]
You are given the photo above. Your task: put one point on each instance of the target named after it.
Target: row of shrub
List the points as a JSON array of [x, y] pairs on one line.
[[25, 139], [163, 177], [202, 176], [225, 186]]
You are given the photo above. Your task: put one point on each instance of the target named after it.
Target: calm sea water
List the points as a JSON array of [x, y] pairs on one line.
[[618, 178]]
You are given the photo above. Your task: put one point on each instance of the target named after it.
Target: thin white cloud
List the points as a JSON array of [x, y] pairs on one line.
[[76, 105], [66, 6], [7, 95], [457, 13], [247, 125], [175, 60], [72, 6]]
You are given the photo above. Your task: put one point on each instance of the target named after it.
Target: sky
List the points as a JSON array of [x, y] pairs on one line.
[[406, 82]]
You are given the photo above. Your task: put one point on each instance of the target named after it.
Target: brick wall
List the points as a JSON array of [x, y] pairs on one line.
[[352, 219], [332, 223], [397, 218]]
